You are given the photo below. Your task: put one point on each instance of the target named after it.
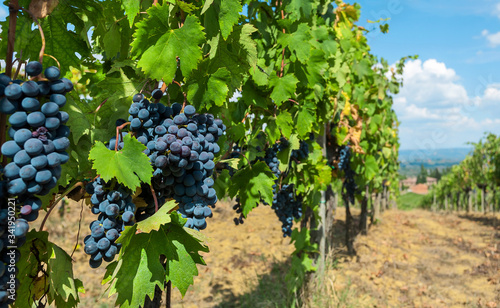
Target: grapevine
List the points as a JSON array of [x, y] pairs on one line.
[[156, 139]]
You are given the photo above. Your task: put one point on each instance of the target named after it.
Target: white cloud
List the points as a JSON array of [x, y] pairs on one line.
[[492, 92], [497, 10], [492, 38], [432, 84], [436, 111]]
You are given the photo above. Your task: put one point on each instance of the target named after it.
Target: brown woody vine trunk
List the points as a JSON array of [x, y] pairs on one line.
[[483, 195], [376, 208], [363, 217], [469, 207], [349, 240]]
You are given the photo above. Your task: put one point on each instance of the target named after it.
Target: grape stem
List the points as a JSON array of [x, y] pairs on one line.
[[154, 197], [169, 294], [11, 36], [19, 64], [144, 86], [163, 89], [53, 203], [79, 227], [42, 35], [100, 105], [245, 117], [118, 129], [54, 58], [283, 52], [183, 93]]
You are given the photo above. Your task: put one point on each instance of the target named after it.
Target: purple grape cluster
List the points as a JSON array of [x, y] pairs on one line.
[[286, 203], [349, 186], [116, 210], [181, 145], [39, 138]]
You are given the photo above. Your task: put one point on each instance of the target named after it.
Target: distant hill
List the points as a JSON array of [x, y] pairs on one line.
[[410, 160]]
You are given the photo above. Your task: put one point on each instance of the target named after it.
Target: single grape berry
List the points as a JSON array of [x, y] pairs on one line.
[[157, 93], [34, 68], [52, 73]]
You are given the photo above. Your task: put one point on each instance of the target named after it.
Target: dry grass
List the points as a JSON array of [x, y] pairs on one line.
[[409, 259], [416, 259]]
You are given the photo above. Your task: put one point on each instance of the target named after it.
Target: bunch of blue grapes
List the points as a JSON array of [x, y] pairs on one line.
[[287, 206], [271, 159], [344, 157], [39, 138], [302, 152], [286, 203], [181, 145], [115, 210], [349, 186]]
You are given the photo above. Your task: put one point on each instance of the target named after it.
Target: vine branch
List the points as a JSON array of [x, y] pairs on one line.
[[53, 204], [79, 227], [154, 197], [42, 35], [118, 129]]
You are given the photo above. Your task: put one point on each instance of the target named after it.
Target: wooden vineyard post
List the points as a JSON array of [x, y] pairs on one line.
[[469, 207], [363, 221], [482, 199], [376, 207]]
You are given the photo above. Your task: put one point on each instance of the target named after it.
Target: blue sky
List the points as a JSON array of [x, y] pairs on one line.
[[451, 94]]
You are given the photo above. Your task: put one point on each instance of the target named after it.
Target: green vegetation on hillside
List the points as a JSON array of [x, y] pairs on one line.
[[410, 201]]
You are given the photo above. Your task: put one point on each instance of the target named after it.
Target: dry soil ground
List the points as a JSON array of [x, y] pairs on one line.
[[409, 259]]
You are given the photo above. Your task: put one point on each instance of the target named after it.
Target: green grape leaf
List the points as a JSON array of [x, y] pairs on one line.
[[186, 7], [139, 267], [57, 281], [252, 184], [159, 218], [387, 152], [371, 167], [362, 68], [78, 162], [129, 166], [298, 42], [237, 54], [284, 121], [285, 154], [223, 179], [79, 124], [207, 4], [159, 60], [62, 43], [252, 96], [236, 132], [151, 29], [64, 288], [298, 8], [229, 15], [112, 41], [132, 8], [305, 120], [231, 162], [211, 88], [316, 67], [283, 88], [272, 129]]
